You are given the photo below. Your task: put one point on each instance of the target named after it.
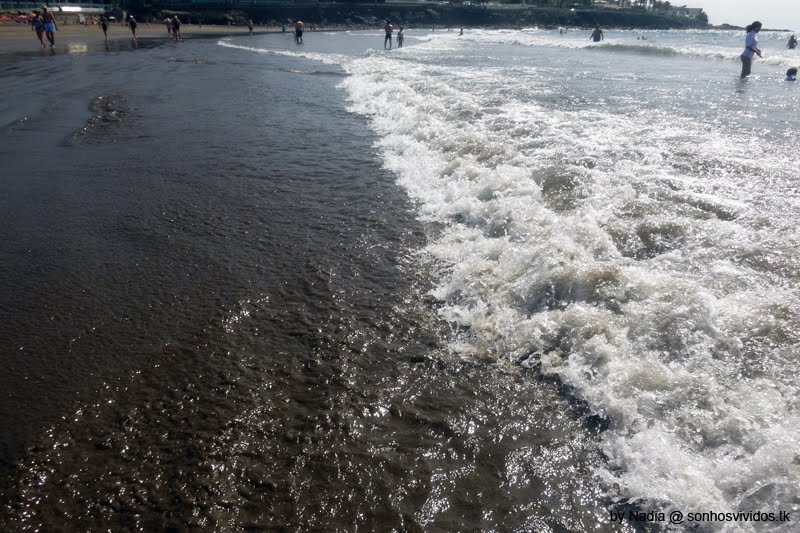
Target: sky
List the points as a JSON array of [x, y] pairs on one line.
[[775, 14]]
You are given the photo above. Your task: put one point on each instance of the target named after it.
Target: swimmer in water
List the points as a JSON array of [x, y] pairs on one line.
[[791, 74]]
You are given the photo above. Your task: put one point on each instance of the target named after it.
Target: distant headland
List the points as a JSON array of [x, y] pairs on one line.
[[543, 13], [741, 28]]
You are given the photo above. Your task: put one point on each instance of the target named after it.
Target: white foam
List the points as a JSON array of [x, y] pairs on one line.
[[646, 258], [626, 258], [328, 59]]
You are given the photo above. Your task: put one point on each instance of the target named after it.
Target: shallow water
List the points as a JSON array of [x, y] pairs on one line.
[[508, 281]]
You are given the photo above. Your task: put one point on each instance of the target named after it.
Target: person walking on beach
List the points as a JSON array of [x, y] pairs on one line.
[[250, 26], [298, 31], [388, 39], [132, 25], [168, 24], [176, 29], [104, 26], [49, 26], [597, 34], [400, 38], [37, 25], [792, 44], [750, 48]]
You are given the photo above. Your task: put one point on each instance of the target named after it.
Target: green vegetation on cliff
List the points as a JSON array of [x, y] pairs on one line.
[[421, 15]]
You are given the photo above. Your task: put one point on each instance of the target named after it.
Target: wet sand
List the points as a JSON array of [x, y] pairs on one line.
[[215, 316]]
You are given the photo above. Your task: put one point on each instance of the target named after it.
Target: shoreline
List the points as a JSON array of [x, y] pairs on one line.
[[16, 38]]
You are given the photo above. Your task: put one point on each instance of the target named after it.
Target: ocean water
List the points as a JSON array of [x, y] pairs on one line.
[[508, 280]]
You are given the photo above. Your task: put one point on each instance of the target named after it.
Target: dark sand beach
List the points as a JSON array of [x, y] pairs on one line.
[[214, 315], [498, 281]]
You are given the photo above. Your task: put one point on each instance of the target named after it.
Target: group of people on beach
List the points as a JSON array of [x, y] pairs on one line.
[[174, 27], [44, 24], [751, 50], [299, 29], [131, 23], [387, 40]]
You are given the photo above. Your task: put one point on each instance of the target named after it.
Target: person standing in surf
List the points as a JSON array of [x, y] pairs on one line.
[[298, 31], [400, 38], [388, 39], [49, 26], [750, 48], [597, 34], [104, 26], [792, 44]]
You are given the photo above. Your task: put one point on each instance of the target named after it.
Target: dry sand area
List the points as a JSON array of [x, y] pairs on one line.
[[19, 36]]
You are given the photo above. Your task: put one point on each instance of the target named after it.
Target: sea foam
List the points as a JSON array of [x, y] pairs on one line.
[[618, 261], [621, 245]]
